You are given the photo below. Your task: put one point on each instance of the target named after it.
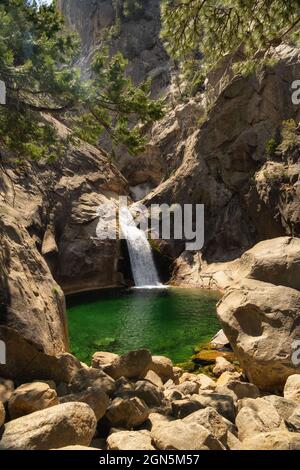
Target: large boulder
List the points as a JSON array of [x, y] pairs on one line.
[[90, 377], [53, 428], [31, 397], [127, 412], [261, 322], [102, 358], [130, 365], [150, 394], [178, 435], [130, 440]]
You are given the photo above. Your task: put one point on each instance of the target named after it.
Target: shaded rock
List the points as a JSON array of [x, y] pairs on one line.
[[222, 365], [131, 365], [293, 421], [223, 404], [53, 428], [130, 440], [163, 367], [90, 377], [212, 421], [150, 394], [292, 388], [2, 414], [261, 322], [240, 389], [154, 378], [6, 389], [101, 359], [178, 435], [274, 440], [127, 412], [255, 417], [93, 396], [173, 394], [188, 388], [29, 398], [183, 408], [123, 388]]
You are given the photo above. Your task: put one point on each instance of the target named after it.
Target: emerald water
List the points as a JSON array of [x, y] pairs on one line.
[[168, 322]]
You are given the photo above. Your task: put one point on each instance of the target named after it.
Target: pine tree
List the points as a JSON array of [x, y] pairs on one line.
[[38, 59], [215, 28]]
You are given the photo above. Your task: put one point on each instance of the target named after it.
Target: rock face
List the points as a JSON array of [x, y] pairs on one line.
[[138, 35], [60, 426]]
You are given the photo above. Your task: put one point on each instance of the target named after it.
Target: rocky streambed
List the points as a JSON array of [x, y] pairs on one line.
[[142, 402]]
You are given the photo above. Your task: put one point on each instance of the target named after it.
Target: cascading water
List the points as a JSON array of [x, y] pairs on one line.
[[142, 263]]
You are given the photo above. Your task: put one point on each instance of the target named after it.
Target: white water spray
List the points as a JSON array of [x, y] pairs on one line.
[[142, 263]]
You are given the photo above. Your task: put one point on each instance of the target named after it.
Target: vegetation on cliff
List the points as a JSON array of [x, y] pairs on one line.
[[38, 65]]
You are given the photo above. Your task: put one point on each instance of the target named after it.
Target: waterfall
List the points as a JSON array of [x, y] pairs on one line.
[[142, 263]]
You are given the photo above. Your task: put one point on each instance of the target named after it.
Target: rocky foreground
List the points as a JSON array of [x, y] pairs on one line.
[[142, 402]]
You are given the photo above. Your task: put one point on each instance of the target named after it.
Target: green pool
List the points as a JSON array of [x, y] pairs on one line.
[[166, 321]]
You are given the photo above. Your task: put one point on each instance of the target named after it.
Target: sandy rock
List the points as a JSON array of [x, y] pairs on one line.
[[130, 440], [188, 388], [93, 396], [91, 377], [155, 379], [6, 389], [76, 448], [150, 394], [32, 397], [53, 428], [163, 367], [101, 359], [222, 365], [212, 421], [274, 440], [206, 383], [133, 364], [178, 372], [157, 418], [127, 412], [178, 435], [227, 377], [292, 388], [123, 388], [255, 417], [2, 414], [284, 407]]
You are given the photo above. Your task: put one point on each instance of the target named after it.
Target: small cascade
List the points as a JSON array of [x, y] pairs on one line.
[[142, 263]]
